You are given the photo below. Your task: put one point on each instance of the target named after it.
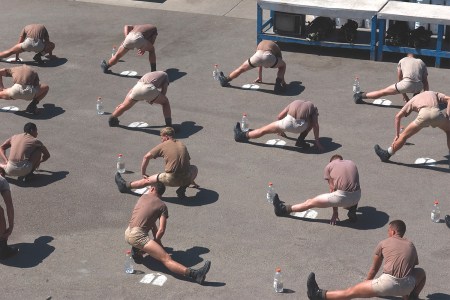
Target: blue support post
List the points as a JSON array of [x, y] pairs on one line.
[[259, 20], [373, 38], [381, 35], [440, 36]]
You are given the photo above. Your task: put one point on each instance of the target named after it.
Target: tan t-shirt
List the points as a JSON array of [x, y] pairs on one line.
[[399, 254], [175, 155], [147, 210], [344, 174], [4, 185], [424, 99], [413, 69], [147, 30], [269, 46], [157, 78], [22, 145], [35, 31], [23, 75], [304, 110]]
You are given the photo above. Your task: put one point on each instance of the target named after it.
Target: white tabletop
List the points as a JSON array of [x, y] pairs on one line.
[[406, 11], [355, 9]]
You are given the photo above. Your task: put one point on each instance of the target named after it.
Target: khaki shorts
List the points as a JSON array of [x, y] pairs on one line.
[[20, 168], [340, 198], [430, 116], [406, 86], [137, 237], [32, 45], [173, 179], [388, 285], [134, 40], [144, 91], [263, 59], [18, 91], [290, 124]]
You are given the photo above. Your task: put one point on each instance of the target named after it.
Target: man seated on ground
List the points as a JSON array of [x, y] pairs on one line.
[[26, 86], [146, 89], [426, 104], [26, 153], [33, 38], [399, 278], [268, 55], [298, 117], [178, 170], [343, 180], [148, 209], [412, 78], [141, 37]]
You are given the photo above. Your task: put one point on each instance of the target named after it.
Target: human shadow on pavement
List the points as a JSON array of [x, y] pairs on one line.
[[445, 162], [293, 88], [41, 178], [54, 62], [438, 296], [369, 218], [203, 197], [327, 143], [49, 111], [182, 131], [174, 74], [30, 254]]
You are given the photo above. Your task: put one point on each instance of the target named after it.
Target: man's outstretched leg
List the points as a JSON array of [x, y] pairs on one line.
[[157, 252]]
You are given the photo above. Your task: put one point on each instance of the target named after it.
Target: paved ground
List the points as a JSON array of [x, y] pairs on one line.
[[70, 221]]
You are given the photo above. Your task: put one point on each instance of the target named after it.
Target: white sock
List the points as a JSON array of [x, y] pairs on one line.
[[390, 151]]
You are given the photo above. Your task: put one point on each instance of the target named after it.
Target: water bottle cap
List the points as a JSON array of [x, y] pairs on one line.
[[278, 270]]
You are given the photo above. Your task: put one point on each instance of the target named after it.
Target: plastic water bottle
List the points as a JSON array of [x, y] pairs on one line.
[[129, 268], [436, 212], [356, 86], [113, 52], [120, 164], [244, 123], [270, 193], [216, 72], [278, 281], [100, 110]]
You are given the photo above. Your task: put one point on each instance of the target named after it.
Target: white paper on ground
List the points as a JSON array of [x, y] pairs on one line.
[[155, 279], [138, 125], [384, 102], [141, 191], [309, 214], [425, 161], [276, 142], [11, 59], [250, 86], [147, 278], [10, 108], [128, 73]]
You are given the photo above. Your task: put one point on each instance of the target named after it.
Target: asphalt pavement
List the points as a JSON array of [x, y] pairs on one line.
[[70, 220]]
